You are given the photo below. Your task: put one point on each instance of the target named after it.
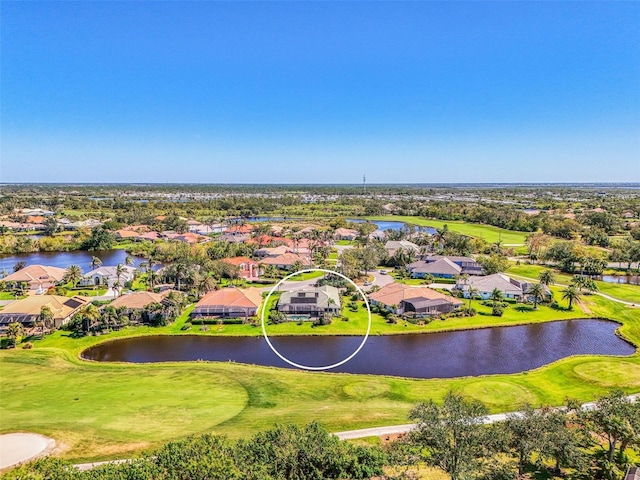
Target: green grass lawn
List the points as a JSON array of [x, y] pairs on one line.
[[86, 292], [99, 411], [344, 242], [489, 233], [629, 293], [9, 296]]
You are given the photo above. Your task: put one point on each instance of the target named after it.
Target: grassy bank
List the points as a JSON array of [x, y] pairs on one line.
[[113, 410], [489, 233], [629, 293]]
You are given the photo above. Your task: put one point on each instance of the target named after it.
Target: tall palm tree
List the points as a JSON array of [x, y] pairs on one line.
[[15, 332], [92, 314], [206, 284], [537, 292], [590, 285], [579, 281], [472, 292], [120, 271], [128, 260], [440, 236], [95, 263], [45, 318], [547, 277], [180, 270], [496, 296], [73, 274], [116, 288], [571, 294]]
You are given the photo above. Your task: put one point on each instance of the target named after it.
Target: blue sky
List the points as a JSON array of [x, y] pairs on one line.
[[306, 92]]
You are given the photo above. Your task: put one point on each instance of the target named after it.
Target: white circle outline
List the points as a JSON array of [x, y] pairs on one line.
[[305, 367]]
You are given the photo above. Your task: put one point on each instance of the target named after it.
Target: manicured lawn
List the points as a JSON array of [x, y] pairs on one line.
[[629, 293], [490, 233], [86, 292], [344, 242], [114, 410], [8, 296]]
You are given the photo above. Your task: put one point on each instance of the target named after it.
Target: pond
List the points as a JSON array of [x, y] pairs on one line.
[[623, 279], [390, 225], [82, 258], [434, 355]]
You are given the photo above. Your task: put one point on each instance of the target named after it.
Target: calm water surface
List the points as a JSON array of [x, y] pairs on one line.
[[433, 355], [82, 258]]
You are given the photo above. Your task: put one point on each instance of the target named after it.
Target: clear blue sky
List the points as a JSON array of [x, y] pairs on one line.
[[320, 92]]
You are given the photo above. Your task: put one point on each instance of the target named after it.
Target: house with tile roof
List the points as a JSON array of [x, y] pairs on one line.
[[345, 234], [286, 261], [392, 246], [467, 264], [510, 287], [421, 301], [229, 302], [442, 268], [36, 277], [27, 311], [247, 268]]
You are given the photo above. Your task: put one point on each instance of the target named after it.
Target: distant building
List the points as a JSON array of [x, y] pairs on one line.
[[286, 261], [345, 234], [392, 246], [247, 268]]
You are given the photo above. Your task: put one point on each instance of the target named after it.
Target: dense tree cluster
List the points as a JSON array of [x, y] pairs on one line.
[[285, 452]]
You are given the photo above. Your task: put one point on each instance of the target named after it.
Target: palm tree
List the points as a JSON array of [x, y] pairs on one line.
[[116, 288], [206, 284], [547, 277], [440, 236], [537, 292], [119, 271], [15, 332], [128, 260], [496, 296], [579, 281], [45, 318], [590, 285], [472, 292], [179, 271], [571, 294], [95, 263], [73, 274], [92, 314]]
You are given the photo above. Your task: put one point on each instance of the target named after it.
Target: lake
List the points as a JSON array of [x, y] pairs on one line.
[[623, 279], [434, 355], [389, 225], [81, 258]]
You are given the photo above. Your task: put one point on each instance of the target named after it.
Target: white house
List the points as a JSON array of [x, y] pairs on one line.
[[108, 276]]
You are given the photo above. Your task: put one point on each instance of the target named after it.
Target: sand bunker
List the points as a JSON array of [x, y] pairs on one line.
[[19, 447]]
